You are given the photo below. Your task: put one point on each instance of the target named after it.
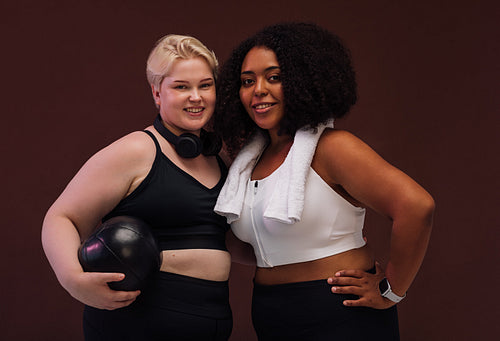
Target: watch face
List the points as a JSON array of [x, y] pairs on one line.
[[383, 286]]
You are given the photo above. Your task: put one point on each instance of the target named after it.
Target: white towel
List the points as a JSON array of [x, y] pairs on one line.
[[287, 199]]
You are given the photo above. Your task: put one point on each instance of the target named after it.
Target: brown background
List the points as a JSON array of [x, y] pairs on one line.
[[73, 81]]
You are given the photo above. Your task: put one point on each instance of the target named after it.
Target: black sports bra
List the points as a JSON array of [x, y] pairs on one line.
[[178, 207]]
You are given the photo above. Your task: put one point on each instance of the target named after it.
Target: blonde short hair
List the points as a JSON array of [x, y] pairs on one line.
[[172, 47]]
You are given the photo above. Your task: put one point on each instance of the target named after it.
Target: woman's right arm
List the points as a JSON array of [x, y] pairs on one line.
[[96, 189]]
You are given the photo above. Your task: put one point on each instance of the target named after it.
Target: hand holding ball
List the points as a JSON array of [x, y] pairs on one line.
[[122, 244]]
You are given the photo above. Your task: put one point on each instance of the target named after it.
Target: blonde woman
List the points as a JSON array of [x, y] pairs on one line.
[[148, 175]]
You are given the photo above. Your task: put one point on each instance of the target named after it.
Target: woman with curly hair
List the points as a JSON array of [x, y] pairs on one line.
[[298, 188]]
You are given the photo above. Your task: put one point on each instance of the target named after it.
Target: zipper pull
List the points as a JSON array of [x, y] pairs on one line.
[[255, 187]]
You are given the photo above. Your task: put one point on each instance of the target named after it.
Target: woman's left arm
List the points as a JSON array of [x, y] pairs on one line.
[[369, 179]]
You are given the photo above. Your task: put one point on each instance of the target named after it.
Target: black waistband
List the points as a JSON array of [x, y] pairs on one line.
[[188, 294]]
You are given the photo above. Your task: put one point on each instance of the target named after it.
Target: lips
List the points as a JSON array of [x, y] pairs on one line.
[[261, 108], [194, 110]]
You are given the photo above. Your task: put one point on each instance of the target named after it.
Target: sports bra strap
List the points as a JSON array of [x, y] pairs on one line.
[[157, 144]]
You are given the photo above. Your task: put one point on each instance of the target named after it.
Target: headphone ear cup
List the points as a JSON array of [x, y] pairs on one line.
[[188, 145]]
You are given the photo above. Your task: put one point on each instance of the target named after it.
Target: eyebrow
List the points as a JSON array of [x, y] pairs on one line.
[[201, 81], [267, 69]]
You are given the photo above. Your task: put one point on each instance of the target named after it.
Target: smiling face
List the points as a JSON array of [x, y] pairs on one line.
[[186, 97], [261, 90]]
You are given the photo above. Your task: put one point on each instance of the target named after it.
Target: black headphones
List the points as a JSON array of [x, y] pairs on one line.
[[189, 145], [186, 145]]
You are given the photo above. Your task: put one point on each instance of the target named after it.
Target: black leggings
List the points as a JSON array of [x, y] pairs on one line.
[[310, 311], [171, 307]]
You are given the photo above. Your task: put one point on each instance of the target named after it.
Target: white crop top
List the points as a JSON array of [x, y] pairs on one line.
[[329, 224]]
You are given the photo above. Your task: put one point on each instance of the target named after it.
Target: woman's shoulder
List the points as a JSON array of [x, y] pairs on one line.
[[134, 147], [339, 152], [338, 141], [134, 142]]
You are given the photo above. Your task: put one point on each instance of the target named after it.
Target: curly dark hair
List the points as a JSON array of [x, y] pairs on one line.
[[317, 78]]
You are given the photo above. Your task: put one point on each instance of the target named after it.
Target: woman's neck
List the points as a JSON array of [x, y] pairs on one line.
[[279, 143]]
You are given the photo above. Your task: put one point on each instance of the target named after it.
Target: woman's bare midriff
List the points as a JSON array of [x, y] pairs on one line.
[[356, 259], [213, 265]]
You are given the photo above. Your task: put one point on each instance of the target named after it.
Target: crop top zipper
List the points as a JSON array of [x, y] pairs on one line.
[[257, 235]]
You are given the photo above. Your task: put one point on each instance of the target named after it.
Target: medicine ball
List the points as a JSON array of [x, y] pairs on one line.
[[122, 244]]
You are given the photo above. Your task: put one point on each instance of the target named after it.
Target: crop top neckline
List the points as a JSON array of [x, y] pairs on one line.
[[314, 173], [181, 171], [187, 175], [277, 170]]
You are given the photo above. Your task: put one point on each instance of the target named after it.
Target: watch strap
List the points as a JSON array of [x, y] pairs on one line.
[[393, 297], [390, 294]]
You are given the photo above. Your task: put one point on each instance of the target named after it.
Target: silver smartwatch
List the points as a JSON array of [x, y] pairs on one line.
[[386, 291]]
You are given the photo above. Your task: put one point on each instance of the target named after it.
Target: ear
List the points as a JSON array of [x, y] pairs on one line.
[[156, 94]]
